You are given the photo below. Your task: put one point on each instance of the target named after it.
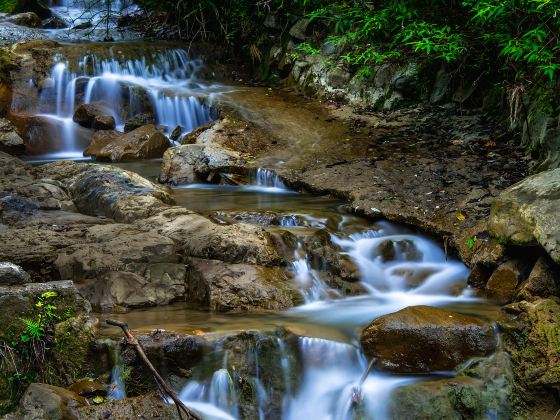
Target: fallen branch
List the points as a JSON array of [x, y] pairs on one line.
[[130, 339], [357, 391]]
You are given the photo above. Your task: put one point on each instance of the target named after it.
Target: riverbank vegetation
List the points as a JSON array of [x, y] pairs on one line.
[[519, 38]]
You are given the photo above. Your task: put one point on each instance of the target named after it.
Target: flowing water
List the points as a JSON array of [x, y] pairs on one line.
[[304, 363]]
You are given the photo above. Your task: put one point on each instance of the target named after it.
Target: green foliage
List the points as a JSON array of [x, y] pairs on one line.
[[8, 6], [27, 351], [518, 37]]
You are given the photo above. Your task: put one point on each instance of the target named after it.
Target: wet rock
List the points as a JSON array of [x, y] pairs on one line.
[[143, 143], [84, 25], [170, 353], [399, 250], [148, 407], [35, 6], [85, 114], [527, 213], [100, 140], [543, 281], [484, 388], [138, 121], [176, 133], [192, 162], [238, 287], [10, 140], [54, 22], [502, 285], [88, 388], [532, 339], [426, 339], [103, 122], [12, 274], [42, 401], [28, 19]]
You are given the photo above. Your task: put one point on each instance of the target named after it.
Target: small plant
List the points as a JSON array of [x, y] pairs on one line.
[[306, 49]]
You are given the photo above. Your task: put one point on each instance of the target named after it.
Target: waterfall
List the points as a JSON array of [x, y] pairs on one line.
[[161, 82], [267, 178]]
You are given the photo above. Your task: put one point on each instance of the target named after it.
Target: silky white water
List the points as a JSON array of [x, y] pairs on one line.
[[162, 82]]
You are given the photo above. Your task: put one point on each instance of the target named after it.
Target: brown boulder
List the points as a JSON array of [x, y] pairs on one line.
[[138, 121], [104, 122], [426, 339], [99, 140], [86, 114], [143, 143], [503, 282], [543, 281]]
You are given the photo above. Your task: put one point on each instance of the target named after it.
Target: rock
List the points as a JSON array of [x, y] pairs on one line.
[[339, 78], [483, 389], [543, 281], [170, 353], [199, 237], [239, 287], [100, 139], [441, 86], [84, 25], [527, 213], [176, 133], [110, 191], [104, 122], [85, 114], [426, 339], [10, 140], [502, 285], [88, 388], [143, 143], [299, 30], [42, 401], [122, 265], [532, 338], [148, 407], [12, 275], [138, 121], [194, 162], [19, 301], [54, 22], [29, 19]]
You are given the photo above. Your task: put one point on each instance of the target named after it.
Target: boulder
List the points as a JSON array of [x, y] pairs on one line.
[[12, 275], [138, 121], [54, 22], [224, 287], [145, 142], [426, 339], [176, 133], [502, 284], [35, 6], [100, 140], [104, 122], [88, 388], [84, 25], [29, 19], [527, 213], [85, 114], [19, 301], [531, 336], [543, 281], [42, 401], [10, 140]]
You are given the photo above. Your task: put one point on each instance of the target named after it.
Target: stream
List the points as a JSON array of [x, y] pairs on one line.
[[317, 356]]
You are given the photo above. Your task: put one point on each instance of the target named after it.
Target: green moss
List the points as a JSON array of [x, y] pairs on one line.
[[8, 6]]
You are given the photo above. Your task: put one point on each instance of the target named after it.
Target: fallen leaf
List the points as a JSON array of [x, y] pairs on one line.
[[460, 216]]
